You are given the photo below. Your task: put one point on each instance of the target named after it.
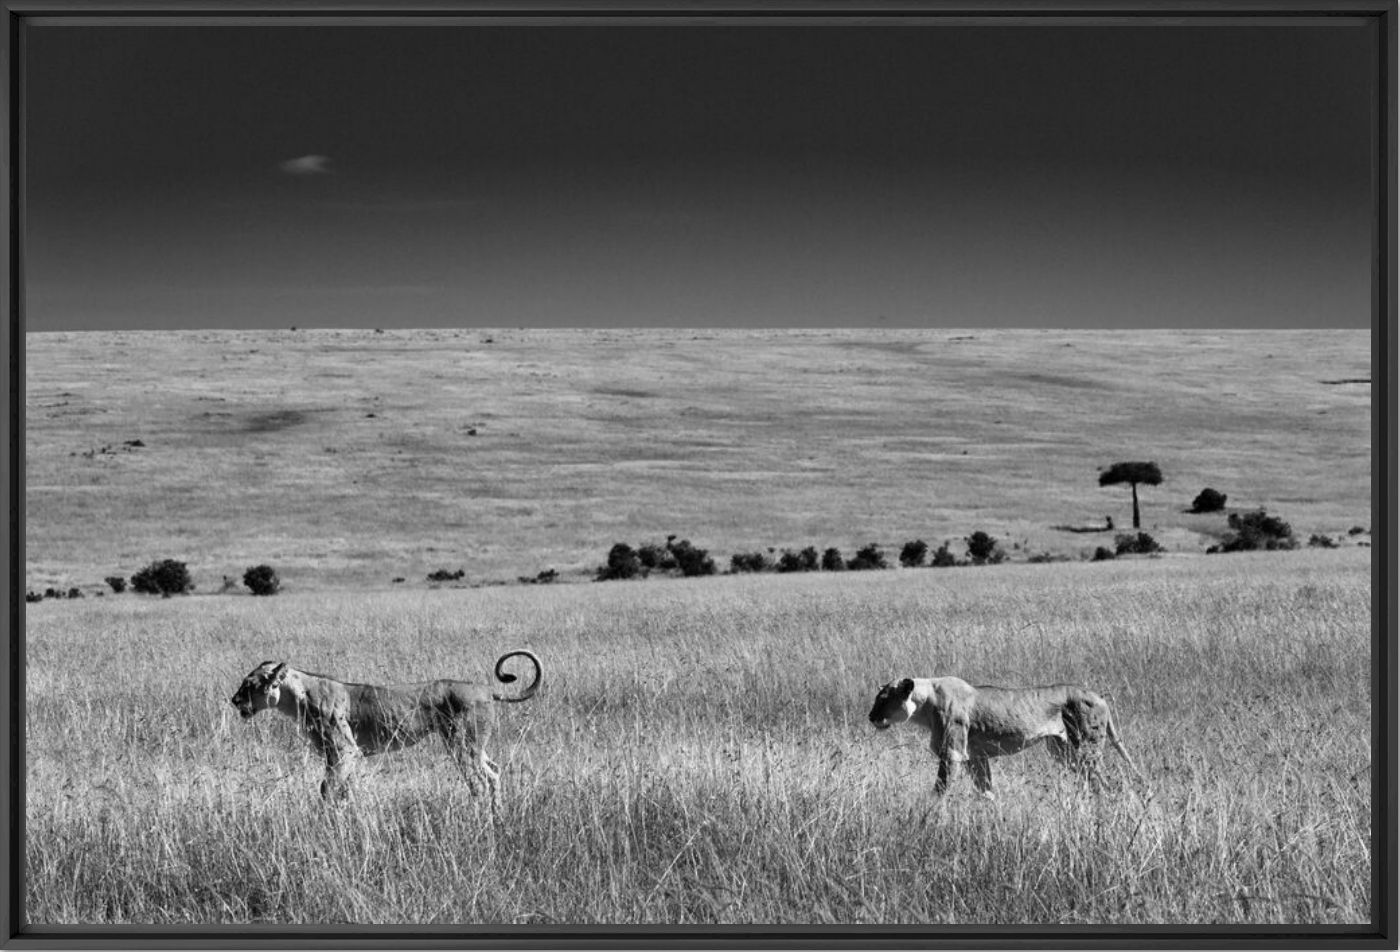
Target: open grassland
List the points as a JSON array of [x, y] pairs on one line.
[[349, 458], [700, 754]]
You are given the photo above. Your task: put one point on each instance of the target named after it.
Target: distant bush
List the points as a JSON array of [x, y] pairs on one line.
[[543, 578], [1103, 554], [1256, 530], [691, 560], [656, 557], [741, 562], [440, 575], [1139, 544], [117, 583], [983, 549], [1322, 541], [262, 580], [913, 553], [1041, 558], [75, 593], [868, 557], [832, 560], [942, 558], [33, 597], [166, 577], [623, 563], [1208, 500], [1357, 530], [807, 560]]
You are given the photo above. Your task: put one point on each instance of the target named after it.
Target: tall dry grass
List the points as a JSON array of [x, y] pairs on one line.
[[699, 753]]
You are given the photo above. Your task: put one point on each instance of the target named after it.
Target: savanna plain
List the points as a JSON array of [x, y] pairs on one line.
[[699, 752]]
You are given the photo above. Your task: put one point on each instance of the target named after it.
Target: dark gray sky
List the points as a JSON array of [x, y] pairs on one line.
[[204, 176]]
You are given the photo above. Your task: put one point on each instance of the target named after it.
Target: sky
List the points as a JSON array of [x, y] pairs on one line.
[[743, 175]]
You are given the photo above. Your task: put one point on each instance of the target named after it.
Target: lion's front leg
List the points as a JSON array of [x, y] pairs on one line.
[[948, 741], [342, 753], [981, 770]]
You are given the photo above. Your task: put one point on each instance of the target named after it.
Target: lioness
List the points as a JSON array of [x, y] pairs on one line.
[[973, 724], [346, 721]]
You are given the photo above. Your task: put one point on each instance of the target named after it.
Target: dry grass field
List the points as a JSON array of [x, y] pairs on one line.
[[700, 751]]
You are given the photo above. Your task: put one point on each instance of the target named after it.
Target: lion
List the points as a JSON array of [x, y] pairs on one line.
[[970, 725], [346, 721]]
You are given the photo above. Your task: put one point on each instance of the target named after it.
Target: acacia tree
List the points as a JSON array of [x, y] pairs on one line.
[[1132, 473]]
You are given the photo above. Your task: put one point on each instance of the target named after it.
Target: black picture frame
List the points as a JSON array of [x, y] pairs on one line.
[[1381, 18]]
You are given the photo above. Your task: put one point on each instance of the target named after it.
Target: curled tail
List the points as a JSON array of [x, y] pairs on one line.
[[505, 678]]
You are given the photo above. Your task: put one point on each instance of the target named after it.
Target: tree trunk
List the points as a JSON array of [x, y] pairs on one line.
[[1137, 521]]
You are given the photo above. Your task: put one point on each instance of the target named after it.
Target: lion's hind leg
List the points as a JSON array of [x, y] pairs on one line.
[[480, 771]]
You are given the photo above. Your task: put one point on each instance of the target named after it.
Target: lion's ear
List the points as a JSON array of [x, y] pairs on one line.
[[278, 675], [906, 687]]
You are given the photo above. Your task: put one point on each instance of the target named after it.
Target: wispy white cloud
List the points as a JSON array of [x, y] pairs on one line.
[[306, 165]]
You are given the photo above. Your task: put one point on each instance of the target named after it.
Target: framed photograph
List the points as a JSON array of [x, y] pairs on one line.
[[685, 475]]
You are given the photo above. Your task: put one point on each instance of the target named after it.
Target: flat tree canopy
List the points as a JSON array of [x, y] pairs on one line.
[[1146, 473], [1132, 473]]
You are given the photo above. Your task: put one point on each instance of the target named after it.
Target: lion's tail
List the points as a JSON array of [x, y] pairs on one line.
[[505, 678]]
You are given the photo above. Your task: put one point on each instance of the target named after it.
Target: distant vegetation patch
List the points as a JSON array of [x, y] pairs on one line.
[[262, 580], [1252, 531], [163, 577], [983, 549], [1136, 544], [1208, 500]]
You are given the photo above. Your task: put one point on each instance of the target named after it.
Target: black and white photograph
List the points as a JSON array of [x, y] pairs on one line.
[[514, 478]]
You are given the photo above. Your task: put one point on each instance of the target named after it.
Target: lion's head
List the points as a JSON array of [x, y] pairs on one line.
[[261, 689], [892, 704]]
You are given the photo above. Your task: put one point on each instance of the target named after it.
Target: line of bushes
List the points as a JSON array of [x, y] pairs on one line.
[[166, 577], [682, 558]]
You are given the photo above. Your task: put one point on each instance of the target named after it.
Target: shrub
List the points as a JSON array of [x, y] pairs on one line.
[[1208, 500], [747, 562], [117, 583], [657, 557], [1357, 530], [869, 557], [165, 577], [942, 558], [1322, 541], [832, 561], [1256, 530], [1103, 554], [805, 561], [33, 597], [912, 554], [75, 593], [623, 563], [440, 575], [543, 578], [691, 560], [982, 548], [1139, 544], [263, 580]]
